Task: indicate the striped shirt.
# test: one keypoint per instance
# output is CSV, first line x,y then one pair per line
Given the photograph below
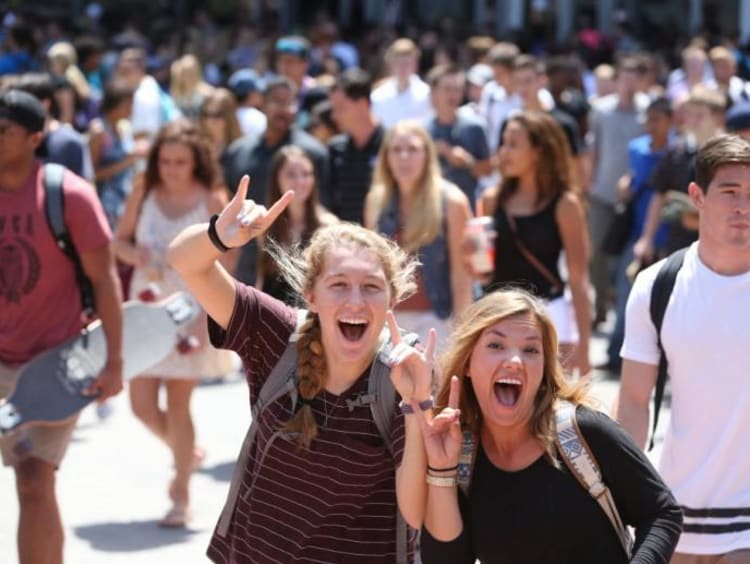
x,y
335,502
351,169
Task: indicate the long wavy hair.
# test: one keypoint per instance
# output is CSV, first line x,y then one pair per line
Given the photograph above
x,y
280,231
554,173
484,313
183,132
425,219
301,269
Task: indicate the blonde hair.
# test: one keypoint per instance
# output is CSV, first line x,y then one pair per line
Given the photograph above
x,y
186,76
489,310
301,269
63,54
702,95
402,46
426,217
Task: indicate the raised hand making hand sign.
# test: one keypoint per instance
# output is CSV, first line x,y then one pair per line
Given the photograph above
x,y
411,369
242,220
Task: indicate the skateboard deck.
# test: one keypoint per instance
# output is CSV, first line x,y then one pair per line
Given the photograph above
x,y
50,387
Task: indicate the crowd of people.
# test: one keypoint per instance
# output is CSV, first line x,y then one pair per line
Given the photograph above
x,y
322,211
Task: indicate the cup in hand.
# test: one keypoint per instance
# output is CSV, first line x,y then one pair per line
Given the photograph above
x,y
481,232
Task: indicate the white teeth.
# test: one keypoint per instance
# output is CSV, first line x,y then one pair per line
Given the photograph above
x,y
353,321
511,381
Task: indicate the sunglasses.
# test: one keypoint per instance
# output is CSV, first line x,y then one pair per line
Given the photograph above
x,y
216,114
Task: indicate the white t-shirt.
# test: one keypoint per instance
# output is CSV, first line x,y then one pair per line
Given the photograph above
x,y
496,105
390,106
146,114
706,459
252,122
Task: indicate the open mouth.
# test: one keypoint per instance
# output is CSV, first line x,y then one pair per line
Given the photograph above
x,y
352,329
507,391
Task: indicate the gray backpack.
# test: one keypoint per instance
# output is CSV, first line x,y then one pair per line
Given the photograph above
x,y
381,397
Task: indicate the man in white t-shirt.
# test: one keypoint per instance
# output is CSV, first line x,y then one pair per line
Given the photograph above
x,y
152,107
403,95
705,336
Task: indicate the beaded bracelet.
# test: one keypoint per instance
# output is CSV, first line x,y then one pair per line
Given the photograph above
x,y
407,409
442,481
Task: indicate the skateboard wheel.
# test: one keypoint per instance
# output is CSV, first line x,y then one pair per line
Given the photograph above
x,y
150,293
187,344
23,447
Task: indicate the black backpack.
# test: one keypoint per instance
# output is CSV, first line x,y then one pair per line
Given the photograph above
x,y
54,206
660,292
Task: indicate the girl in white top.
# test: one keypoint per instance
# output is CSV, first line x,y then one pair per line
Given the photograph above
x,y
178,189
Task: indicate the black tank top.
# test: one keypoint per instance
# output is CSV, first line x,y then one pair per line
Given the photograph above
x,y
541,237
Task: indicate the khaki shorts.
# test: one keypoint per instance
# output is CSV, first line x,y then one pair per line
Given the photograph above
x,y
734,557
48,443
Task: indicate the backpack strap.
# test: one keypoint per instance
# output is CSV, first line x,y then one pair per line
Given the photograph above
x,y
466,460
54,206
580,460
382,399
660,292
281,381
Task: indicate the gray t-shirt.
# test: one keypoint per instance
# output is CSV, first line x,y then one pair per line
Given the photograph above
x,y
468,133
611,128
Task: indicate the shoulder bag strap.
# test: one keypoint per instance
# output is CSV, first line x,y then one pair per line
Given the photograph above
x,y
556,283
581,462
382,398
466,460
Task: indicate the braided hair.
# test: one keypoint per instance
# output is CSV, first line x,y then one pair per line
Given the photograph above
x,y
301,269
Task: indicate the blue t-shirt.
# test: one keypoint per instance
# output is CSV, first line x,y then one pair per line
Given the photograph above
x,y
467,133
642,160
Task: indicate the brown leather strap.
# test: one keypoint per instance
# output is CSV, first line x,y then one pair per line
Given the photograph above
x,y
556,283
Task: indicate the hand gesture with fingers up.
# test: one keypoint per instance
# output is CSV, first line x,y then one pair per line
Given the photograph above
x,y
242,220
411,370
442,433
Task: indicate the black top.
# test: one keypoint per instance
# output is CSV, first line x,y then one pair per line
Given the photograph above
x,y
540,235
351,170
543,515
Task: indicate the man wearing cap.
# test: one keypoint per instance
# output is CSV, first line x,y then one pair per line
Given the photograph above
x,y
738,120
292,60
246,86
38,312
62,144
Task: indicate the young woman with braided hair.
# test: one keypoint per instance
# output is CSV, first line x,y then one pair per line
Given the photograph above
x,y
318,481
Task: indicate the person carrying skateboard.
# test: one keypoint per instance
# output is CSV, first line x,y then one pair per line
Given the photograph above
x,y
37,281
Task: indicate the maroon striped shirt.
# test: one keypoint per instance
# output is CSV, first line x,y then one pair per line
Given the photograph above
x,y
335,502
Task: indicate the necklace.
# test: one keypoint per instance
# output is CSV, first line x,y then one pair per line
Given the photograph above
x,y
327,411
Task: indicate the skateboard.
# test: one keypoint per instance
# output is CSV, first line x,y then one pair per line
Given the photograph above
x,y
50,387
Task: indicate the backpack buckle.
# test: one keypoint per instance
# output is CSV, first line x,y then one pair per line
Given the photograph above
x,y
597,489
